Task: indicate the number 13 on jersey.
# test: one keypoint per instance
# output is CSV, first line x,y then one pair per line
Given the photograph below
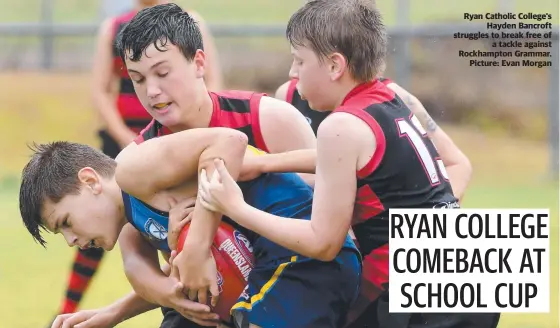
x,y
416,135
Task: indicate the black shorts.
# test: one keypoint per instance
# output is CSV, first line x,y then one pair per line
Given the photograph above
x,y
109,146
377,316
173,319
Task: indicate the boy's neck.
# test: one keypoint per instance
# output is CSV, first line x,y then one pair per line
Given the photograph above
x,y
116,195
344,89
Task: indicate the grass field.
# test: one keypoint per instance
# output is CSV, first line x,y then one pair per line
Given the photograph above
x,y
508,173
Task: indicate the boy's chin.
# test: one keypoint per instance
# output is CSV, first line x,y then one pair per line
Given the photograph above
x,y
108,246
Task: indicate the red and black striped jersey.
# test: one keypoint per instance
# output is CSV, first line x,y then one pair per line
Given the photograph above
x,y
406,171
313,117
129,106
238,110
231,109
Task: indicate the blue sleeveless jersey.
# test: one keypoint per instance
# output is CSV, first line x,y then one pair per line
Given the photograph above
x,y
151,222
282,194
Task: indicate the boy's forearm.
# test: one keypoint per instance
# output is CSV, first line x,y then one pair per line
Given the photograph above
x,y
148,282
456,163
129,306
204,226
300,161
141,265
205,223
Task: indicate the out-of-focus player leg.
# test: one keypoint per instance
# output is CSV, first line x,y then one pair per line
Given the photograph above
x,y
84,267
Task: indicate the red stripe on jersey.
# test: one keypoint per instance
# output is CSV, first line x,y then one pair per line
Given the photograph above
x,y
86,261
120,68
130,107
367,204
140,138
370,93
291,90
375,272
375,276
255,104
381,142
224,118
216,111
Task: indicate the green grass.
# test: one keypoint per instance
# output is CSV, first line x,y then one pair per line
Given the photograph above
x,y
272,11
509,173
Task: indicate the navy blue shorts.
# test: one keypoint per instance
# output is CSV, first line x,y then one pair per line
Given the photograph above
x,y
300,292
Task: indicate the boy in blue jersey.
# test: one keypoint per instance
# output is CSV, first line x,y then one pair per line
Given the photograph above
x,y
75,190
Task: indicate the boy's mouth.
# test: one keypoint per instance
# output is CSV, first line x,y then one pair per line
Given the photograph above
x,y
89,245
161,106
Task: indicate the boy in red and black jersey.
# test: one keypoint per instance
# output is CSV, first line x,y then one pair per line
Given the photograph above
x,y
166,62
372,153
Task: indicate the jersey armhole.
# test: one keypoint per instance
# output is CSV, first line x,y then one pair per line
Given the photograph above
x,y
381,143
127,207
254,108
140,138
290,91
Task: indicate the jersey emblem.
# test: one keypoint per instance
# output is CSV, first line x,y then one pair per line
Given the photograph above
x,y
447,205
243,243
155,230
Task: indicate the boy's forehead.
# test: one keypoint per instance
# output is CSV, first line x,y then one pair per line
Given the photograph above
x,y
151,57
152,52
49,214
302,50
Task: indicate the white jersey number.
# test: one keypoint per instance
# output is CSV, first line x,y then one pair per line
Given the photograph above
x,y
415,136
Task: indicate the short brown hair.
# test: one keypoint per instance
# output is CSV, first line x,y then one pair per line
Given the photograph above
x,y
51,174
353,28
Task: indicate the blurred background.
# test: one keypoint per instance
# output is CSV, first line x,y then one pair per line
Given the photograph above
x,y
504,119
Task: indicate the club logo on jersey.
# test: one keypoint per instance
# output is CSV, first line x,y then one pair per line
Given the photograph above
x,y
244,294
220,281
155,230
243,243
447,205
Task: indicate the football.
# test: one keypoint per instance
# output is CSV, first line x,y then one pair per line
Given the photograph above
x,y
234,260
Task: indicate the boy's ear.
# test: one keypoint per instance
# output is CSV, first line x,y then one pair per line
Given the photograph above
x,y
90,179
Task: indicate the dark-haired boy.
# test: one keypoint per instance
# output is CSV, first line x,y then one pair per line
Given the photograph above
x,y
164,54
80,197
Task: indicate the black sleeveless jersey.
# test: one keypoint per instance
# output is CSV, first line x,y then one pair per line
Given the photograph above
x,y
405,172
